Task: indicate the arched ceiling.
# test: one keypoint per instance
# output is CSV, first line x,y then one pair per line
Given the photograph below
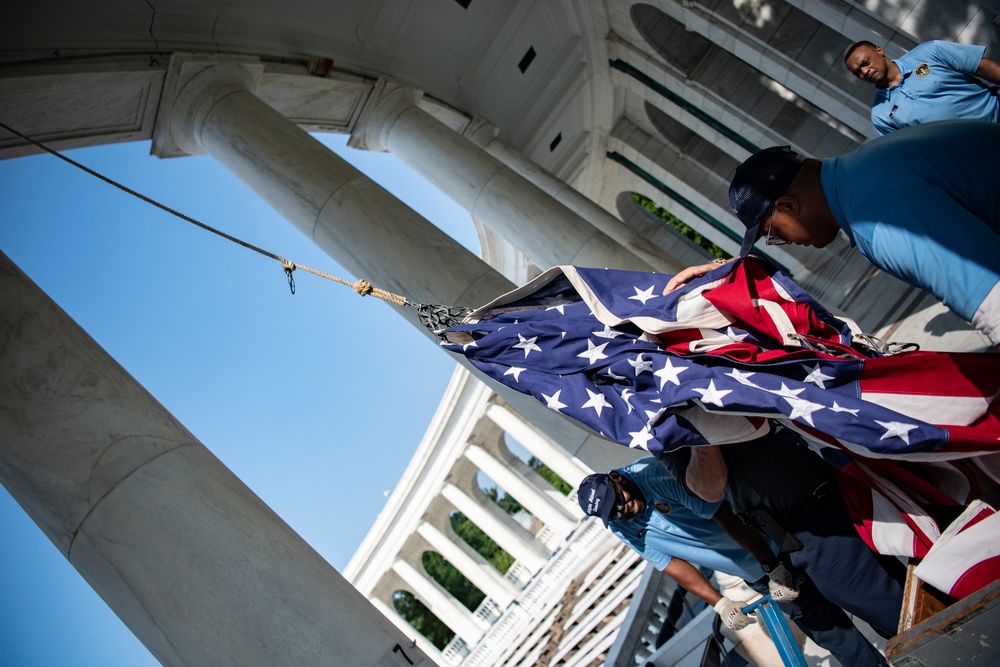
x,y
469,55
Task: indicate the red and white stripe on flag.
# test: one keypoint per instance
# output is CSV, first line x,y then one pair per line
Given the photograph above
x,y
966,557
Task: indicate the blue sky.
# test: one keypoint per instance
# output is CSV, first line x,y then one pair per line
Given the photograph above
x,y
316,401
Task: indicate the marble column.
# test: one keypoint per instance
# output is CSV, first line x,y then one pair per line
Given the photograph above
x,y
484,134
441,603
171,540
770,62
483,575
531,497
511,537
545,230
538,443
209,107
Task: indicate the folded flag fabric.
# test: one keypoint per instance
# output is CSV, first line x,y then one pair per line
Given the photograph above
x,y
606,348
719,359
967,555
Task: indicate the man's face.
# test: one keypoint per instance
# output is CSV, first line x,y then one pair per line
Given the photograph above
x,y
792,229
869,64
630,501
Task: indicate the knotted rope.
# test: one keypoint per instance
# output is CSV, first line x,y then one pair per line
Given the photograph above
x,y
362,287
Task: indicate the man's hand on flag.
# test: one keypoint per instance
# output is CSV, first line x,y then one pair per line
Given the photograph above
x,y
692,272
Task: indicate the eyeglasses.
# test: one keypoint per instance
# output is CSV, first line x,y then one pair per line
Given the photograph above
x,y
619,504
771,238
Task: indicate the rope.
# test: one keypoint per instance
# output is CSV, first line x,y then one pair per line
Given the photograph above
x,y
362,287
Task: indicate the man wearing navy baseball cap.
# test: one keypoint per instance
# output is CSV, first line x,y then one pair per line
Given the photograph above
x,y
920,203
649,510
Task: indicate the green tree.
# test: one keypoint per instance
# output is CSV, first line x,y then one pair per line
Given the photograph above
x,y
549,476
452,580
422,619
507,502
673,221
481,542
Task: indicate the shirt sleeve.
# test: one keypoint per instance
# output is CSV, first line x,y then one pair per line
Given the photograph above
x,y
964,58
668,487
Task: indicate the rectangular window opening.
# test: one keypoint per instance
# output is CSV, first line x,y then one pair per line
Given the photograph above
x,y
555,142
526,60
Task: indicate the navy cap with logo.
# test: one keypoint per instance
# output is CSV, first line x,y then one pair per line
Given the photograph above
x,y
597,496
758,183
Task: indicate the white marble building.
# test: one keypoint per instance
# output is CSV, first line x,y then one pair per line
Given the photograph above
x,y
541,119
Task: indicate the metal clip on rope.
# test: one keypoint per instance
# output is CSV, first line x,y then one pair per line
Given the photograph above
x,y
289,269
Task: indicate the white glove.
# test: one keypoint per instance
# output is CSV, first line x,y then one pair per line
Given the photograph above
x,y
781,584
732,614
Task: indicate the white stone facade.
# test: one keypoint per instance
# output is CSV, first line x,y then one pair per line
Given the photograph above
x,y
541,118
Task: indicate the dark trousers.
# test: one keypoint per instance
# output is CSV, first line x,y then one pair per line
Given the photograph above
x,y
827,625
844,569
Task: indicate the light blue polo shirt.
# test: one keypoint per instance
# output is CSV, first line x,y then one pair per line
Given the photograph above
x,y
676,524
938,83
923,204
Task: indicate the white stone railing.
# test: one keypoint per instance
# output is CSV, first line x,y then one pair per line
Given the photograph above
x,y
488,611
455,651
518,575
542,592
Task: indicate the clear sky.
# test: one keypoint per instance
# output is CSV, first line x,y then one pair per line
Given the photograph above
x,y
316,401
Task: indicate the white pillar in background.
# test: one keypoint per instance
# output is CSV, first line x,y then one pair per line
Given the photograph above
x,y
483,575
441,603
541,227
209,107
526,493
168,537
544,448
484,134
806,84
513,539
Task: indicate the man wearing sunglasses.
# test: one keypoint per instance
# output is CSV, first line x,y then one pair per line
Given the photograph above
x,y
645,507
922,204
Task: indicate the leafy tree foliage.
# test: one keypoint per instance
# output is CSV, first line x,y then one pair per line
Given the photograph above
x,y
481,542
422,619
548,475
673,221
452,580
506,502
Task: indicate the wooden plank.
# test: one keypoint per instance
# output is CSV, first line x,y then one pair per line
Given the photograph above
x,y
967,632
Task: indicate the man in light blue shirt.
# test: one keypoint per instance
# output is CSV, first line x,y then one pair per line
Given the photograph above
x,y
935,81
649,510
922,204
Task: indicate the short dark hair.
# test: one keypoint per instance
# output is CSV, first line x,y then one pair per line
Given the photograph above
x,y
857,45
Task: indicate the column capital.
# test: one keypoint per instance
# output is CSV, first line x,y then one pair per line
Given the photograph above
x,y
481,131
388,100
193,85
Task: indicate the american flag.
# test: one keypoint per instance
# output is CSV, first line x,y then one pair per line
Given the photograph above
x,y
716,360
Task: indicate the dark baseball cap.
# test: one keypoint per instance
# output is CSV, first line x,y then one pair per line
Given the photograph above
x,y
597,496
759,181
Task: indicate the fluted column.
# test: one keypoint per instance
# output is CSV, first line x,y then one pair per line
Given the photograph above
x,y
541,227
544,448
483,575
513,539
779,67
484,134
441,603
526,493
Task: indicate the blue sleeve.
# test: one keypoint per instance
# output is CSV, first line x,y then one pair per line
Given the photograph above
x,y
964,58
668,488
